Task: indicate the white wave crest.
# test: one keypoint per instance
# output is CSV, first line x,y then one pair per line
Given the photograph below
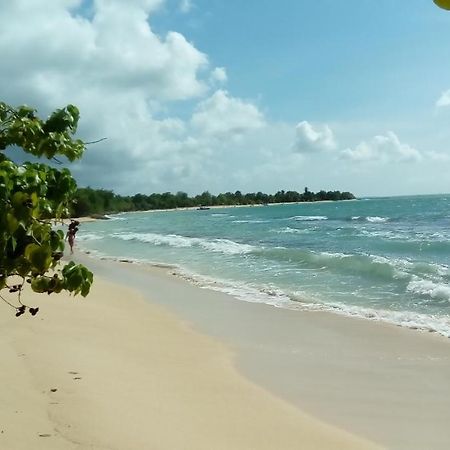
x,y
240,290
376,219
89,237
335,255
224,246
270,295
251,221
290,230
308,218
429,288
407,319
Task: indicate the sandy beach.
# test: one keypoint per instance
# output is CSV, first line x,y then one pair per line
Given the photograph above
x,y
386,383
168,365
115,371
263,239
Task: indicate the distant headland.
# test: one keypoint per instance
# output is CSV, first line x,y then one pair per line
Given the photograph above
x,y
90,201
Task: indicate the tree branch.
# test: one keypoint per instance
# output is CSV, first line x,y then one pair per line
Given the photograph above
x,y
95,142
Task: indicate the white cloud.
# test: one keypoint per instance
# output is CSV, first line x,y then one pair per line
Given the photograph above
x,y
219,75
124,77
185,6
444,99
128,80
64,53
224,116
383,148
438,156
310,139
119,72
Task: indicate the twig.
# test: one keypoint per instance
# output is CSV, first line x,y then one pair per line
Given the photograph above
x,y
6,301
95,142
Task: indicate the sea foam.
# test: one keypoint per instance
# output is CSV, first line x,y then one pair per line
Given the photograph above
x,y
224,246
429,288
376,219
308,218
89,237
302,301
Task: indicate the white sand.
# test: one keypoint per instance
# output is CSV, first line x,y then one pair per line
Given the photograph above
x,y
127,374
386,383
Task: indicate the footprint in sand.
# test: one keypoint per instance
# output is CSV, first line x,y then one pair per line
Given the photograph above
x,y
72,372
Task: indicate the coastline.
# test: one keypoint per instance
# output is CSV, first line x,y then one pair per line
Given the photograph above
x,y
384,382
116,371
288,255
195,208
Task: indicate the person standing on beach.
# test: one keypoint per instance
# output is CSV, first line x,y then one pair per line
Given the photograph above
x,y
70,236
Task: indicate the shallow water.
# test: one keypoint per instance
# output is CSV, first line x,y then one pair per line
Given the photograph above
x,y
382,259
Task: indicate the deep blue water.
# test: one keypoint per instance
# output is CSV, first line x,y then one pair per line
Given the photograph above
x,y
383,259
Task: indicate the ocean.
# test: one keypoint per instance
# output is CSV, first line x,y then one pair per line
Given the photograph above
x,y
383,259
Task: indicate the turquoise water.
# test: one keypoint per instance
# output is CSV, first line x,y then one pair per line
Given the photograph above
x,y
382,259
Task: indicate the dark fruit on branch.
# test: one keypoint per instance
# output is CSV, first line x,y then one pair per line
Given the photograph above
x,y
20,310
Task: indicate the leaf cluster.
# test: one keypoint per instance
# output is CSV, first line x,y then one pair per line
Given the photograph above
x,y
31,195
21,127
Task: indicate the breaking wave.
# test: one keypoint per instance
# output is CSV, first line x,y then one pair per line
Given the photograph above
x,y
371,219
224,246
428,288
89,237
273,296
308,218
251,221
289,230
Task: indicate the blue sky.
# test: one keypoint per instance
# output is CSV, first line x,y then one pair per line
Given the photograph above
x,y
326,59
252,95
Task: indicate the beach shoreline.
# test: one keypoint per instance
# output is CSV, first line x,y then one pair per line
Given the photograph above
x,y
212,207
380,381
354,259
116,371
321,379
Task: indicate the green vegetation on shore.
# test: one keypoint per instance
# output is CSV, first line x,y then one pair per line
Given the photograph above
x,y
90,201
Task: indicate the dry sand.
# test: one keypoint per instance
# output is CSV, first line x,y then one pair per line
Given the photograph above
x,y
115,372
386,383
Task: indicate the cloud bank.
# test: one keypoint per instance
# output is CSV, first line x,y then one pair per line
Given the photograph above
x,y
382,148
125,78
170,120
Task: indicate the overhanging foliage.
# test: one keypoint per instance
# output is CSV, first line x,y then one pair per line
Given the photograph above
x,y
32,196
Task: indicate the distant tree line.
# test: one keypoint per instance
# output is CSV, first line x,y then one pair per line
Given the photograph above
x,y
90,201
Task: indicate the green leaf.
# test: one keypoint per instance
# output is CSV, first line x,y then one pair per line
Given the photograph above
x,y
23,267
40,284
39,257
13,223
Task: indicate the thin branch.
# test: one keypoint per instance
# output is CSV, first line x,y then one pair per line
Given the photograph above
x,y
20,291
95,142
6,301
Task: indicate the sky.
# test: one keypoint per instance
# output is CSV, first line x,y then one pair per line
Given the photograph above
x,y
250,95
